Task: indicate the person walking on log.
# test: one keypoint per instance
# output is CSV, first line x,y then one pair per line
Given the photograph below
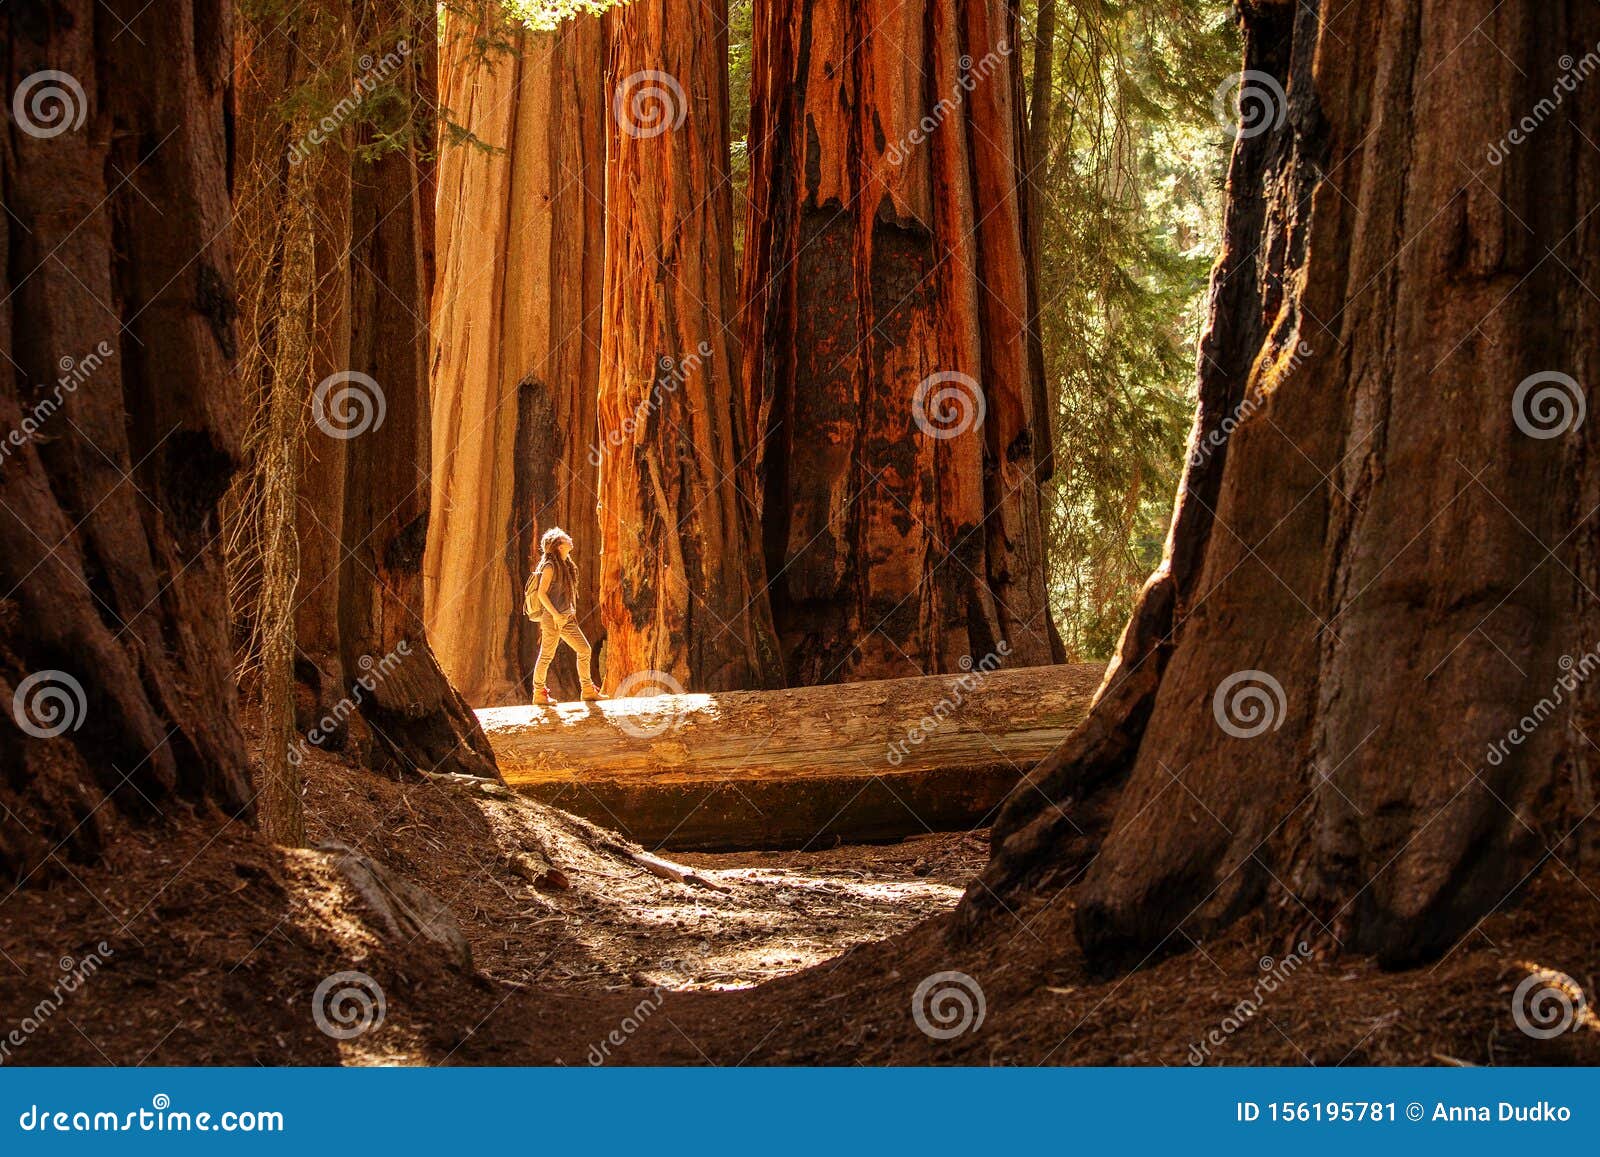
x,y
552,598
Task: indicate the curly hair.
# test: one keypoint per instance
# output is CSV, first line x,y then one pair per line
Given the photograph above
x,y
551,538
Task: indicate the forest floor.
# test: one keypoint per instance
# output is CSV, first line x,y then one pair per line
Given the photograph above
x,y
210,946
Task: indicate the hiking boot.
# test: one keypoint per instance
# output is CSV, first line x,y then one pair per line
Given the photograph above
x,y
541,697
590,694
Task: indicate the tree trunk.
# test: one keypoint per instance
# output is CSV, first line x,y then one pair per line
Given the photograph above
x,y
889,354
354,78
521,245
874,760
682,587
1378,581
418,720
288,183
1041,101
120,419
319,671
278,232
1036,162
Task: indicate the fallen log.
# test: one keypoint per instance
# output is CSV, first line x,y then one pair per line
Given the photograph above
x,y
804,767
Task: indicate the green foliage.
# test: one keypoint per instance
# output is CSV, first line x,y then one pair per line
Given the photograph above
x,y
740,36
350,83
544,15
1129,191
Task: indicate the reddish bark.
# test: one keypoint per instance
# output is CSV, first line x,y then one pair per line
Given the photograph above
x,y
887,263
1379,537
418,719
364,482
681,584
113,612
521,244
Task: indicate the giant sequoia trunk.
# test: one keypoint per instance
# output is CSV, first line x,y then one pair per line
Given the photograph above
x,y
418,718
682,587
890,357
119,413
517,331
360,370
1335,696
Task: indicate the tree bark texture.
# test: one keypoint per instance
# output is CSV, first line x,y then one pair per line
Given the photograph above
x,y
291,306
873,760
361,515
890,357
116,683
418,719
1381,566
682,587
516,363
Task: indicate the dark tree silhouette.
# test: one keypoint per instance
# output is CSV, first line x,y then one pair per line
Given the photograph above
x,y
1381,566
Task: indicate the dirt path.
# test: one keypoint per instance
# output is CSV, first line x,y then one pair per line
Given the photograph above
x,y
211,948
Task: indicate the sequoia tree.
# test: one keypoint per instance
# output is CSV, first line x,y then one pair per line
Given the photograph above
x,y
517,340
890,357
336,224
120,418
1358,690
682,587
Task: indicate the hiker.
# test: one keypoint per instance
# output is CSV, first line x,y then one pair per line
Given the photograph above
x,y
552,598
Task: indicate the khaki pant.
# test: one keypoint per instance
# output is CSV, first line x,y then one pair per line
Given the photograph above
x,y
552,633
